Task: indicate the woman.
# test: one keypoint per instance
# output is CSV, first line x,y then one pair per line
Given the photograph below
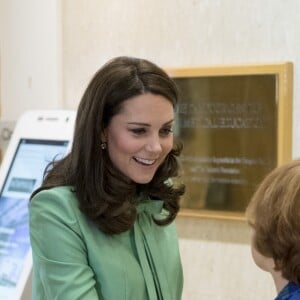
x,y
101,225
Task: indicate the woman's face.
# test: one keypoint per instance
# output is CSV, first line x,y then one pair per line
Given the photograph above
x,y
140,136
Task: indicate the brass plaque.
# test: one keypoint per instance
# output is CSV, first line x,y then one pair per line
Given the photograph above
x,y
229,125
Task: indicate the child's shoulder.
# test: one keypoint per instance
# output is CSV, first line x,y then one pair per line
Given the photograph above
x,y
290,292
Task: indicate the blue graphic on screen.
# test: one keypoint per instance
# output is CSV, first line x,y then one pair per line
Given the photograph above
x,y
24,176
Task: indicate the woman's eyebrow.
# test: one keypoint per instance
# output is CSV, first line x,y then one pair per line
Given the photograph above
x,y
138,123
169,122
146,124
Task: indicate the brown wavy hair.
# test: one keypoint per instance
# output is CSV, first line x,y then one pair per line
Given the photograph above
x,y
274,214
105,196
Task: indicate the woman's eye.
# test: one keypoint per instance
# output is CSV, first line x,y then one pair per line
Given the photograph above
x,y
138,130
166,131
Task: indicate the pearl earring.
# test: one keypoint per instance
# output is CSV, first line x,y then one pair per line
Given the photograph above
x,y
103,145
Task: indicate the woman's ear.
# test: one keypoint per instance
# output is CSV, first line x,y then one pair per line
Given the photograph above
x,y
104,135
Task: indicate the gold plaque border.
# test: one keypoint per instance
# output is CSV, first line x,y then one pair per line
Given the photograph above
x,y
284,90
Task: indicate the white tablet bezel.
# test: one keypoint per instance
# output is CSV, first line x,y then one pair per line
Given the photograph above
x,y
50,125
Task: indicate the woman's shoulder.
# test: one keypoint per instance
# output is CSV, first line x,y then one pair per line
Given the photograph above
x,y
60,193
59,200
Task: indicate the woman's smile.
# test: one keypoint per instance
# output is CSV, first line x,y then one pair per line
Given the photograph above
x,y
144,161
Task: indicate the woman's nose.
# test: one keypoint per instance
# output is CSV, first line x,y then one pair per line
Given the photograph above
x,y
154,144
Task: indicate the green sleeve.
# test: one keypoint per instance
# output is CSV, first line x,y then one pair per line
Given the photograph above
x,y
61,269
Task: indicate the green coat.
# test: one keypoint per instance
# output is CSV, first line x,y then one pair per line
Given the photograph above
x,y
72,259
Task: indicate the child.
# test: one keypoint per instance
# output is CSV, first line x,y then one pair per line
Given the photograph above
x,y
274,215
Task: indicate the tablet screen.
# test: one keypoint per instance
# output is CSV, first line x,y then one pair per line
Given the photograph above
x,y
25,174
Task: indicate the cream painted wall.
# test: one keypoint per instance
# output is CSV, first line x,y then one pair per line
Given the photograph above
x,y
217,262
30,56
215,254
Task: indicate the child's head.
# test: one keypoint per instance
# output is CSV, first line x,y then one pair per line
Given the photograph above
x,y
274,214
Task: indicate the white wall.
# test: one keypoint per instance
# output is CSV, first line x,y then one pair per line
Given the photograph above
x,y
30,36
216,255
